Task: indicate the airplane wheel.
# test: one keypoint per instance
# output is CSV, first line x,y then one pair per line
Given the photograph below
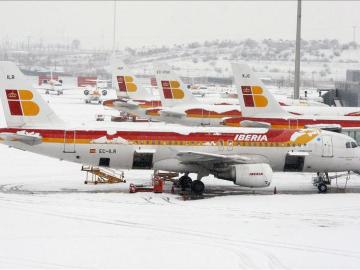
x,y
185,182
197,187
322,188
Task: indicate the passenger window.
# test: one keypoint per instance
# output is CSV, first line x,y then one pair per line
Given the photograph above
x,y
348,145
353,145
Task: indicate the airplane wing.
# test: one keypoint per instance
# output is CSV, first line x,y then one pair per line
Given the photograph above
x,y
130,104
169,113
255,124
207,159
55,90
329,127
27,138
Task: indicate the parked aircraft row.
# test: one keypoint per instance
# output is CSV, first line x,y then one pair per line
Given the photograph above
x,y
246,156
94,90
256,106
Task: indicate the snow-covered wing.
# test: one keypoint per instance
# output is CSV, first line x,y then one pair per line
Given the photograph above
x,y
202,157
170,113
29,139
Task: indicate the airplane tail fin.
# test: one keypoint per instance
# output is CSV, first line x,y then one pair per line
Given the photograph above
x,y
173,92
126,84
254,98
22,104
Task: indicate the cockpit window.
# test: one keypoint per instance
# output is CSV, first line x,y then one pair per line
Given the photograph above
x,y
351,145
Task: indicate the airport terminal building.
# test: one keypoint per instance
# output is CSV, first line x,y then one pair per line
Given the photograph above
x,y
348,92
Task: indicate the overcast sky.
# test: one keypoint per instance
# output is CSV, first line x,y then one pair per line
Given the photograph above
x,y
169,22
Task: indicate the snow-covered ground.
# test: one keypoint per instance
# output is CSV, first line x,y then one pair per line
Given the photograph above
x,y
50,219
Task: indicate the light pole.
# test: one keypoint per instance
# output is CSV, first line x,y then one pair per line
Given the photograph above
x,y
297,52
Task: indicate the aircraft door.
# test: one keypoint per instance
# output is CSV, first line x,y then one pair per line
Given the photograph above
x,y
293,123
230,145
143,160
205,120
69,141
221,145
327,146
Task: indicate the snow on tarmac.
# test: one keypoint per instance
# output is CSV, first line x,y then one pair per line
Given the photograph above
x,y
50,219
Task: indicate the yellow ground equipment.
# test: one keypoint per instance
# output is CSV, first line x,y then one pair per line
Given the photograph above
x,y
98,175
166,176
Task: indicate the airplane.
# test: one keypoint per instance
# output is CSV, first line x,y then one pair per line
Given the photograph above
x,y
187,109
52,86
94,93
245,156
179,105
132,97
135,100
258,106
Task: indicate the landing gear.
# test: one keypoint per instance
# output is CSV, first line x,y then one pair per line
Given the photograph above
x,y
197,187
322,188
185,182
321,181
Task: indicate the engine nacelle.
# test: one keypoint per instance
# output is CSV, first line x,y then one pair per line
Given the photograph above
x,y
248,175
86,92
104,92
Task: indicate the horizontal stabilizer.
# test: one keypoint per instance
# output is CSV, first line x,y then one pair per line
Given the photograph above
x,y
255,124
329,127
22,136
169,113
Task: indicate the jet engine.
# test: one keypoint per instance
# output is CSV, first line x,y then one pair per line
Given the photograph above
x,y
248,175
104,92
86,92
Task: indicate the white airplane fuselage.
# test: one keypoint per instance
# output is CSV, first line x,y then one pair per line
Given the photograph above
x,y
324,152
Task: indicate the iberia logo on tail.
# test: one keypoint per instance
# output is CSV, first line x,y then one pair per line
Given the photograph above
x,y
172,90
126,84
253,96
20,102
